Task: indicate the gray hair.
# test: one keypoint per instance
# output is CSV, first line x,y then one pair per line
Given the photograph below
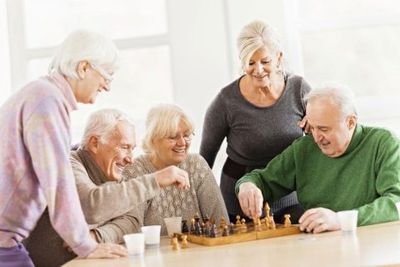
x,y
254,36
102,123
163,121
80,46
339,94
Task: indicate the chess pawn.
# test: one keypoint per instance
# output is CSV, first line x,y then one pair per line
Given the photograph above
x,y
222,223
184,241
272,222
231,229
213,231
225,232
287,222
238,220
185,228
244,226
175,244
197,228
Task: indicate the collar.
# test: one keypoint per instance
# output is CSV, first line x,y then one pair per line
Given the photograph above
x,y
95,173
355,140
61,83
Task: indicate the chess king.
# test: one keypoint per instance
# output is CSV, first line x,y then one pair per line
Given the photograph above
x,y
342,165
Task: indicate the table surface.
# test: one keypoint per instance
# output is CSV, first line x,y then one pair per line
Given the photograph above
x,y
371,245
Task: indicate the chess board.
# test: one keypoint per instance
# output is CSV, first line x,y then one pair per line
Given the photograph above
x,y
251,234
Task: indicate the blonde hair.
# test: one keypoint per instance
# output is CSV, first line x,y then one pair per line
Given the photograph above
x,y
84,46
163,121
254,36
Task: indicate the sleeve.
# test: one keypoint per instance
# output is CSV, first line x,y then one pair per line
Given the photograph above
x,y
113,231
277,179
215,129
387,183
131,192
208,193
46,135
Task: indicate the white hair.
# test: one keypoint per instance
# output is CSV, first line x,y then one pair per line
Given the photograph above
x,y
84,46
254,36
102,123
162,121
339,94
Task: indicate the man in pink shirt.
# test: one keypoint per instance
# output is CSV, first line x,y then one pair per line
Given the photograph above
x,y
35,170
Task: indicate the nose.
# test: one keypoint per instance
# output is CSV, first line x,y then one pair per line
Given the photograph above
x,y
259,68
181,140
317,135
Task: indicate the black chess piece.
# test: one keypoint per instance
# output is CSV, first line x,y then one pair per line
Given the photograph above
x,y
213,231
185,228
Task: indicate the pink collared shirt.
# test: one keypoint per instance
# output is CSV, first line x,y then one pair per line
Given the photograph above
x,y
35,170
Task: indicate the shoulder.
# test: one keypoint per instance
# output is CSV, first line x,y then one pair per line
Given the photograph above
x,y
298,83
140,166
228,92
381,135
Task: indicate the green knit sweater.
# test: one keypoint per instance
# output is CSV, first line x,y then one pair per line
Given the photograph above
x,y
366,177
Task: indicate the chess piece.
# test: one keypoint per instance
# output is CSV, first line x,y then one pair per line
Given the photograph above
x,y
287,222
206,219
213,231
225,232
192,227
231,229
222,223
197,228
184,242
243,228
266,210
272,222
238,220
197,217
185,228
175,244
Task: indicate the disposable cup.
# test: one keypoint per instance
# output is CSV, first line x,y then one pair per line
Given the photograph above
x,y
348,220
151,234
135,244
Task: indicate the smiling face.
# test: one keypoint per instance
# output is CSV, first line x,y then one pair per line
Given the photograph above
x,y
113,155
91,82
331,130
173,149
262,66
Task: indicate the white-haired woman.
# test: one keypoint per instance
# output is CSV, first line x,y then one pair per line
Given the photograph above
x,y
168,136
257,113
34,157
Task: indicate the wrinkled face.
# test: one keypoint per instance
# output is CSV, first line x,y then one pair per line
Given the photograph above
x,y
172,150
332,131
262,65
116,153
94,79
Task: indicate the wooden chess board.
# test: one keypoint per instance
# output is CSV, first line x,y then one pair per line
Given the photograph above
x,y
251,234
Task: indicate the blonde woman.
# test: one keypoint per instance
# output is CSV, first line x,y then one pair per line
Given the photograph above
x,y
168,137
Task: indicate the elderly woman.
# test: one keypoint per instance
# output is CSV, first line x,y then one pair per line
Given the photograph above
x,y
166,143
35,170
257,114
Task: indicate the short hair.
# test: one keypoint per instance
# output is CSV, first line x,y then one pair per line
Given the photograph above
x,y
83,45
162,121
254,36
339,94
102,123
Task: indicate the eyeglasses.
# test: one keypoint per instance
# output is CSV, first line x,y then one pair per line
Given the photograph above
x,y
187,137
107,77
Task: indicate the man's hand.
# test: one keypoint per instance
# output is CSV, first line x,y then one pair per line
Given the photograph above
x,y
108,251
319,220
172,175
251,199
304,125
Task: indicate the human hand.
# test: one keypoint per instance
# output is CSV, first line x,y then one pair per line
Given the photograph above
x,y
304,125
108,251
172,175
319,220
251,199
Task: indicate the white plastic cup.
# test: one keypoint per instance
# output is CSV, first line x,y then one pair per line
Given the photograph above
x,y
135,244
348,220
398,208
174,225
151,234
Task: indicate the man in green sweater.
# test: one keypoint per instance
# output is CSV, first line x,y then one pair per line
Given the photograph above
x,y
342,166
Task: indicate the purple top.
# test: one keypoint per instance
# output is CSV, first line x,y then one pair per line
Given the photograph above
x,y
35,170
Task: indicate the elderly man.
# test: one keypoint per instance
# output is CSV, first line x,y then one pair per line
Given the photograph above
x,y
108,201
343,166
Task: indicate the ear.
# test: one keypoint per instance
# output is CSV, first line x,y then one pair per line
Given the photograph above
x,y
82,68
351,121
93,144
279,58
